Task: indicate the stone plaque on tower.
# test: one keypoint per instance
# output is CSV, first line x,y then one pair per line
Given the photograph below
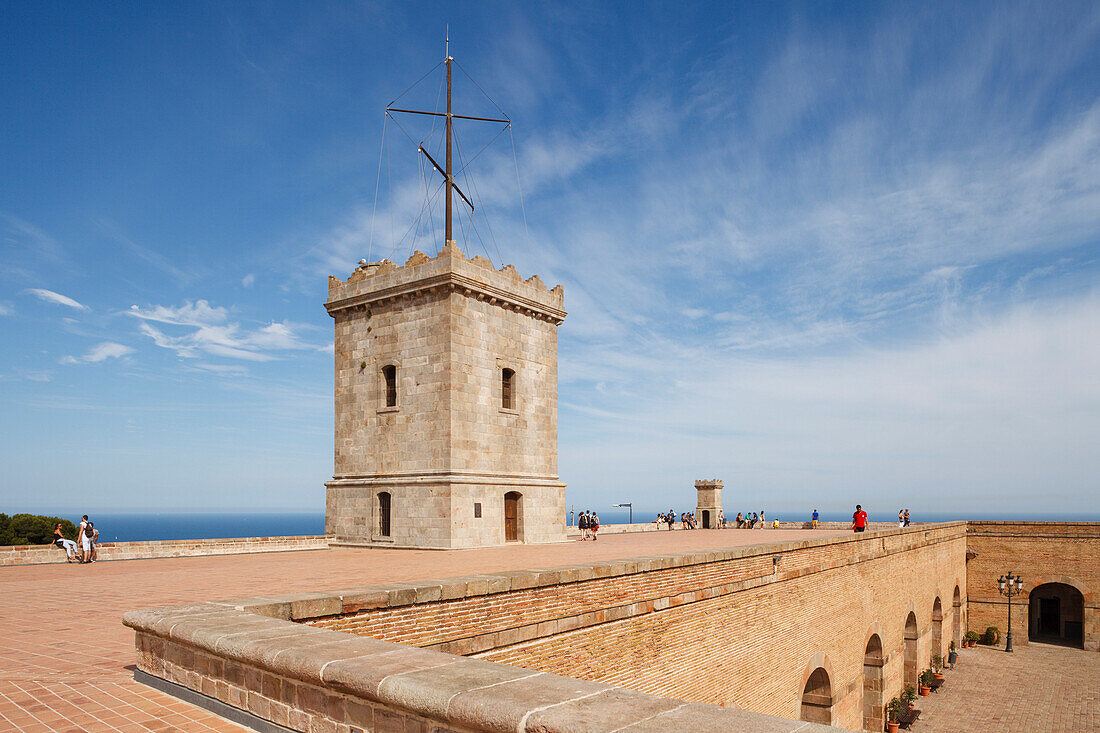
x,y
446,405
708,503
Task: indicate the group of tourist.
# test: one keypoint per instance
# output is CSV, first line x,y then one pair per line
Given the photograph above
x,y
87,535
903,517
589,525
687,520
744,520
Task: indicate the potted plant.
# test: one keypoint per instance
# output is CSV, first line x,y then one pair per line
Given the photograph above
x,y
991,636
971,638
937,666
909,696
952,655
894,710
925,683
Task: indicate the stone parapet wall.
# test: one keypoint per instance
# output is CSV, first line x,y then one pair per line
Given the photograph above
x,y
310,679
48,554
1040,552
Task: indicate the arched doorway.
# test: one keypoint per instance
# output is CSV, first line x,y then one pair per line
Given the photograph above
x,y
937,627
512,516
1056,614
911,635
873,660
817,698
956,617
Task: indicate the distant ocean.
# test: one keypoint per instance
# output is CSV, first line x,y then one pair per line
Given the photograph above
x,y
137,527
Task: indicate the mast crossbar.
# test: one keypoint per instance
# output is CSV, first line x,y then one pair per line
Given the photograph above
x,y
444,114
440,169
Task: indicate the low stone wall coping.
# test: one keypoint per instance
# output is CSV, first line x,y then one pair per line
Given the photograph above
x,y
51,554
475,694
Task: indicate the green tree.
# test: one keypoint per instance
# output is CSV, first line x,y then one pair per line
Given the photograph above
x,y
32,529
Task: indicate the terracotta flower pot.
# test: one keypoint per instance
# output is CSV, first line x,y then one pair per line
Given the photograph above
x,y
892,727
937,675
924,691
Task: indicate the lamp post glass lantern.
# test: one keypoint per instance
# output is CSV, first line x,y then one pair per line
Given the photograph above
x,y
1010,585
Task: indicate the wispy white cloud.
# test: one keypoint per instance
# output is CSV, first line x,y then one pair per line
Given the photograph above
x,y
248,280
199,313
100,353
6,309
213,334
51,297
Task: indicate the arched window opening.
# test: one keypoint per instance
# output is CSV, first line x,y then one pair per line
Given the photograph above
x,y
507,389
817,698
874,712
389,376
384,513
937,628
1056,614
956,621
911,635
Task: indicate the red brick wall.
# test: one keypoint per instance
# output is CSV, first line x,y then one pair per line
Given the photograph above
x,y
1047,552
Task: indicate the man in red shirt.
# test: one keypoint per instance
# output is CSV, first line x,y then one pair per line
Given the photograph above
x,y
859,519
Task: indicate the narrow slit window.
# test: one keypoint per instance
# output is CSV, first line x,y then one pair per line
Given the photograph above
x,y
507,389
389,376
384,514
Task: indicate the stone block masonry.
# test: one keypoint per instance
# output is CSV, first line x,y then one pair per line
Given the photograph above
x,y
446,405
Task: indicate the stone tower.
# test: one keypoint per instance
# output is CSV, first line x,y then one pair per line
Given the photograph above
x,y
446,405
708,503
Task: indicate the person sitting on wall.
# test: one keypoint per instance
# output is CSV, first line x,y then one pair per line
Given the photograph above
x,y
67,545
739,519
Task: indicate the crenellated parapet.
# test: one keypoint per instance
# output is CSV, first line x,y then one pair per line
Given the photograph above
x,y
451,271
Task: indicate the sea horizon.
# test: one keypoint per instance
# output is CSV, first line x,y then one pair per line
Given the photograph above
x,y
212,524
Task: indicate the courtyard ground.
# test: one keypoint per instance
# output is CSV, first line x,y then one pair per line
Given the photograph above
x,y
66,661
1039,688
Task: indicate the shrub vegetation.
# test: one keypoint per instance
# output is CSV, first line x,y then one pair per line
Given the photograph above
x,y
32,529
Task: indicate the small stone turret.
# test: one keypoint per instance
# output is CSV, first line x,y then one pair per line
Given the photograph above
x,y
708,503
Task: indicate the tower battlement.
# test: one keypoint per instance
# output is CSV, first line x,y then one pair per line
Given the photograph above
x,y
451,270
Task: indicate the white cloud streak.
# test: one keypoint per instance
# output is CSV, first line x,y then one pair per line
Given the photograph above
x,y
100,353
213,334
57,298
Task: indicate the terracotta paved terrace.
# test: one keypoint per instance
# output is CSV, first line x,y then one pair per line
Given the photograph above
x,y
1039,688
66,660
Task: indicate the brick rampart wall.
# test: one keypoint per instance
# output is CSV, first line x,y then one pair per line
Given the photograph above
x,y
1046,552
734,628
45,554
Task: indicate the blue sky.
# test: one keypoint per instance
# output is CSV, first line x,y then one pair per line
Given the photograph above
x,y
827,252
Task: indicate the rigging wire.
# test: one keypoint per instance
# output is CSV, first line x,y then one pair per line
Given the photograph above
x,y
402,94
377,183
472,183
519,185
467,75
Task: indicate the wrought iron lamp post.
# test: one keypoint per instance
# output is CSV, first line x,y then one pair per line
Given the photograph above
x,y
630,506
1010,585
